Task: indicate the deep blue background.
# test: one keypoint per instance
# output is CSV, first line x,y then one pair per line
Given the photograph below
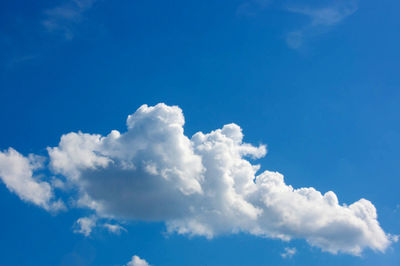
x,y
328,111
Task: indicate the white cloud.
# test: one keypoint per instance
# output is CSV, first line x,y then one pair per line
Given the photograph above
x,y
85,225
62,17
136,261
289,252
114,228
16,171
205,185
152,163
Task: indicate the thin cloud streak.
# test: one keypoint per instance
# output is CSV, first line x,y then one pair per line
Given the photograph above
x,y
321,19
62,18
328,16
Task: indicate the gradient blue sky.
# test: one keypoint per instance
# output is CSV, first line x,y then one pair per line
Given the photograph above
x,y
316,81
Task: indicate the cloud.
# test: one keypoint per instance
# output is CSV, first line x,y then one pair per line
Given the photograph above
x,y
320,19
327,16
85,225
289,252
114,228
205,185
136,261
152,163
16,172
62,18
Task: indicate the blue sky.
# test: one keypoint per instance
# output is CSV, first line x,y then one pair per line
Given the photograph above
x,y
315,81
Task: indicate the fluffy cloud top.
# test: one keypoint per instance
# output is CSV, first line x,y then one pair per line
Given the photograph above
x,y
205,185
137,261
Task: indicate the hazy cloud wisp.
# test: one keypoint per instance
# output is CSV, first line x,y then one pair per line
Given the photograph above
x,y
321,18
288,253
61,18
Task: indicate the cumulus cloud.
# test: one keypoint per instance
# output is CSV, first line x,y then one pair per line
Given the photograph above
x,y
206,185
147,173
85,225
137,261
16,171
289,252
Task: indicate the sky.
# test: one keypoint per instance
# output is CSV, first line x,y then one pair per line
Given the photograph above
x,y
248,132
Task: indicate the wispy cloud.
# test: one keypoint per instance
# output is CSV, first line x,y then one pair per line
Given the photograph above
x,y
289,252
114,228
63,17
321,17
327,15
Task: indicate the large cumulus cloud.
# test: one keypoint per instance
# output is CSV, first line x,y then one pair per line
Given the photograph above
x,y
205,185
